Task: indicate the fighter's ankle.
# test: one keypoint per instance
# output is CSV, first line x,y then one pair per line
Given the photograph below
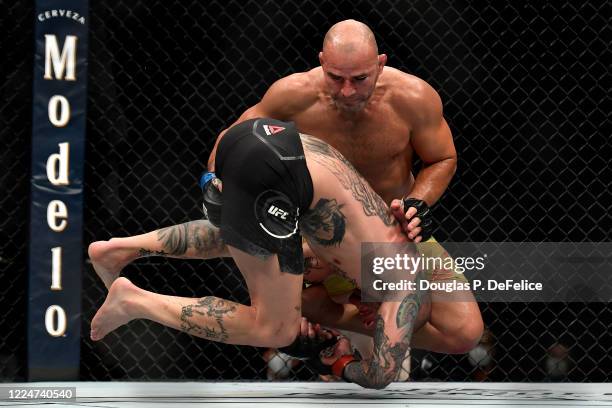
x,y
131,307
126,294
116,242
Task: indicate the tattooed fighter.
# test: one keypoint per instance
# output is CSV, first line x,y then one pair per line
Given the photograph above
x,y
278,185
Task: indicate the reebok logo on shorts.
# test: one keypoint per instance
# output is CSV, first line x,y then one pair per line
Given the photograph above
x,y
271,129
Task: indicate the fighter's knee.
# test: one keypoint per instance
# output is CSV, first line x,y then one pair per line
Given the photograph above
x,y
285,337
378,383
280,333
468,335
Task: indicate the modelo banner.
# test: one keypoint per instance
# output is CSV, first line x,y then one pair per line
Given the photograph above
x,y
56,214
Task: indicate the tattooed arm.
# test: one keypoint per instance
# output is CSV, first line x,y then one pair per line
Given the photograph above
x,y
395,324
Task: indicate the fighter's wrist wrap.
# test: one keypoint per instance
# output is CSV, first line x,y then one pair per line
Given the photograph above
x,y
309,350
213,200
423,212
306,348
341,363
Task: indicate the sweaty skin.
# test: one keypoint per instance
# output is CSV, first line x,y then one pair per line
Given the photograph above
x,y
402,117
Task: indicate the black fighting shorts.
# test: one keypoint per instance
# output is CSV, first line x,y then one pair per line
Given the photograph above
x,y
266,188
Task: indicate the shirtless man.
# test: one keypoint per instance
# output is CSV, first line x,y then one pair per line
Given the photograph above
x,y
277,186
377,117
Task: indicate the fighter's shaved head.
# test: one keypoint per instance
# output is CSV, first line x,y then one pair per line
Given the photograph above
x,y
350,64
350,37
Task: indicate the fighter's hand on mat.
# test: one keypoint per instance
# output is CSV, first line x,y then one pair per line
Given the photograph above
x,y
334,359
315,343
414,217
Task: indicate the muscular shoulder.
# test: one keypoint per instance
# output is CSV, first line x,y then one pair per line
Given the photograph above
x,y
413,97
292,94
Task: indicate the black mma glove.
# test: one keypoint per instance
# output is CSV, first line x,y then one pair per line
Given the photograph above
x,y
309,350
213,200
423,212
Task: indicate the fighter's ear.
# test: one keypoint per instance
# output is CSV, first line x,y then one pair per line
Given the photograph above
x,y
321,58
382,60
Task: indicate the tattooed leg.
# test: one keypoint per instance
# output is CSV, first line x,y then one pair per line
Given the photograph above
x,y
208,317
193,240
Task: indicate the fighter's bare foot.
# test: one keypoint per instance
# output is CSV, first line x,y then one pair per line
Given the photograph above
x,y
117,309
109,258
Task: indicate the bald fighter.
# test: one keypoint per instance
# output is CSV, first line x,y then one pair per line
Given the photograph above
x,y
378,118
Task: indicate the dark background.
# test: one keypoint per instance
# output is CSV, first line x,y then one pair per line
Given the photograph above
x,y
524,88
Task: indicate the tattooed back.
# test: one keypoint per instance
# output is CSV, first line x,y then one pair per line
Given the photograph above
x,y
344,212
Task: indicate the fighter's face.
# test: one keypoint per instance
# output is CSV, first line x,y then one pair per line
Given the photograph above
x,y
350,84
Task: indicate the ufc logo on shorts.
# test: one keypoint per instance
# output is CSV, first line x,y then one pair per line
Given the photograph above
x,y
277,212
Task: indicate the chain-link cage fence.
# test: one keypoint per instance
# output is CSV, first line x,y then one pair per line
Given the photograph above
x,y
16,45
524,88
